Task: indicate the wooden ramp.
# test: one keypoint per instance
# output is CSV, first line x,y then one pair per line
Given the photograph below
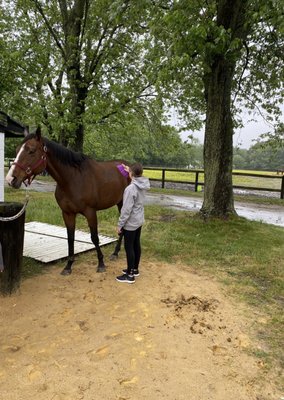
x,y
47,243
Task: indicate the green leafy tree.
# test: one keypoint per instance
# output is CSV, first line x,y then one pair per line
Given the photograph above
x,y
218,57
240,160
274,139
266,157
94,64
83,59
10,145
10,68
195,153
137,136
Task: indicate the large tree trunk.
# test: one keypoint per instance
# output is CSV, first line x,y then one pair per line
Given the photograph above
x,y
218,144
77,111
73,27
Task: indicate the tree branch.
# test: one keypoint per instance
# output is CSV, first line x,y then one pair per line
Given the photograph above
x,y
243,71
84,23
49,27
124,104
160,5
98,53
268,123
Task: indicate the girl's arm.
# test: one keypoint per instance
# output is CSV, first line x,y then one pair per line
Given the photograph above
x,y
128,202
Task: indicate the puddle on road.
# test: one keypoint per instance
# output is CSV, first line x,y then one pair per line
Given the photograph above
x,y
261,213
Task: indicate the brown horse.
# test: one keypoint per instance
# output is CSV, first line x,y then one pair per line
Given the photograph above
x,y
84,186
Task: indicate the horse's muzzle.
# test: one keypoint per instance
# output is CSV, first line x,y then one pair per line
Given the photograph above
x,y
13,181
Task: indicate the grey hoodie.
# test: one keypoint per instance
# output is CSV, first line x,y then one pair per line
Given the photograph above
x,y
132,212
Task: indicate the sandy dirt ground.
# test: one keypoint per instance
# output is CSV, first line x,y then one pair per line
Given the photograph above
x,y
172,335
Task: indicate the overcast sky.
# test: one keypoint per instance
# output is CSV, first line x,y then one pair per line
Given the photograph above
x,y
244,137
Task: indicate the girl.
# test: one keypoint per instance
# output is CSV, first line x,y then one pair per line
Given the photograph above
x,y
131,220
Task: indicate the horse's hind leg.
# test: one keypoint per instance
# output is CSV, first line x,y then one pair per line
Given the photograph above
x,y
91,216
69,220
114,255
117,248
95,240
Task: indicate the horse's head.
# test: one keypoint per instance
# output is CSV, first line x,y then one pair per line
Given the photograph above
x,y
29,162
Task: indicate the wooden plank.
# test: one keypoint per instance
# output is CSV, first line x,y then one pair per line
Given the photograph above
x,y
60,232
47,243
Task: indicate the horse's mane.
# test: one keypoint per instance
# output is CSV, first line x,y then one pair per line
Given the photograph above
x,y
64,155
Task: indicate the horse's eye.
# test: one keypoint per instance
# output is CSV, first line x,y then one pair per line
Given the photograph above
x,y
30,150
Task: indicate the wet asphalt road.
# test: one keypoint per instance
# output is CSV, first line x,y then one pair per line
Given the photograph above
x,y
255,212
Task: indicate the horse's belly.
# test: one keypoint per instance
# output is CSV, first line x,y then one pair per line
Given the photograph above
x,y
80,198
102,204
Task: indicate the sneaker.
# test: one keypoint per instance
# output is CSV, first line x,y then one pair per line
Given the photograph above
x,y
135,272
126,278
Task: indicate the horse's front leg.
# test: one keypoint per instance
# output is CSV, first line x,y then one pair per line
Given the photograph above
x,y
69,220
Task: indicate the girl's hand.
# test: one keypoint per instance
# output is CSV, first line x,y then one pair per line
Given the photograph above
x,y
126,167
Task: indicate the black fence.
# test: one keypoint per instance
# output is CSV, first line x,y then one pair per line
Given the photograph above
x,y
200,182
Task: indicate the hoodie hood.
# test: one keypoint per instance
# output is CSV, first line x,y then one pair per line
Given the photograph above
x,y
141,182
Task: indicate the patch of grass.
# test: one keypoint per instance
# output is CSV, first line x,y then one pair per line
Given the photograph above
x,y
238,180
259,182
41,206
174,175
177,192
31,268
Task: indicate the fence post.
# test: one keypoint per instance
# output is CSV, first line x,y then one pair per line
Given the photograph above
x,y
163,178
196,181
282,188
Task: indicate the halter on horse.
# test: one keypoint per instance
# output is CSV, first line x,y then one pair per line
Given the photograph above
x,y
84,186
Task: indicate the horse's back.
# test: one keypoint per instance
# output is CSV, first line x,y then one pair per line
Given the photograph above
x,y
98,185
108,184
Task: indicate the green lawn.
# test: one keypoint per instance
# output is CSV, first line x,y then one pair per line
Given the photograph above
x,y
238,180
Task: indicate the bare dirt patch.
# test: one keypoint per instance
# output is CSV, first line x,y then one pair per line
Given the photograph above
x,y
172,335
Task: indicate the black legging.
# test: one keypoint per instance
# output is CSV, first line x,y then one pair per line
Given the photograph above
x,y
132,248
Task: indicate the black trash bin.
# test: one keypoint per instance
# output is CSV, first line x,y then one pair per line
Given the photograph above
x,y
12,228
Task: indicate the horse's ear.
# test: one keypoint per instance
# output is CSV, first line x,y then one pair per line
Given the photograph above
x,y
26,131
38,133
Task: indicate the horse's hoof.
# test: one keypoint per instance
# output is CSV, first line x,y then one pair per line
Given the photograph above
x,y
113,257
101,269
66,272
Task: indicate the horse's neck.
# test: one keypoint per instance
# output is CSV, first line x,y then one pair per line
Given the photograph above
x,y
57,170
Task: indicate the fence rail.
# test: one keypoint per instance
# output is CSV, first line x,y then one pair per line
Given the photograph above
x,y
198,182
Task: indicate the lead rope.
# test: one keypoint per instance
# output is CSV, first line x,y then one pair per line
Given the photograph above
x,y
6,219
